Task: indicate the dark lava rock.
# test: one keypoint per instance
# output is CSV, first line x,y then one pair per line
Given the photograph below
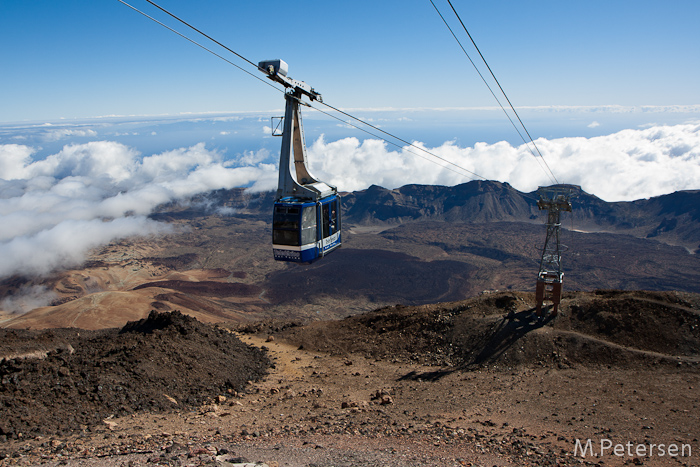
x,y
145,366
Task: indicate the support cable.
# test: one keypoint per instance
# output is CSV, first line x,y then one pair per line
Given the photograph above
x,y
397,138
457,166
485,82
200,45
548,170
397,145
200,32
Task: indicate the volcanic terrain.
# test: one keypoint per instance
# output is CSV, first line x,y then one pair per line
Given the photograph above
x,y
414,245
414,344
482,381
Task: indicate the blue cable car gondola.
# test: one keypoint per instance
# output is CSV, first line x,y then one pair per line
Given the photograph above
x,y
306,216
305,231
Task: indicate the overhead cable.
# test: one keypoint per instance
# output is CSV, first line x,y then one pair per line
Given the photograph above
x,y
397,145
202,33
200,45
457,166
548,170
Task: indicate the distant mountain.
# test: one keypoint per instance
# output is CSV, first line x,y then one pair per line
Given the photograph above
x,y
672,218
236,201
477,201
677,215
413,245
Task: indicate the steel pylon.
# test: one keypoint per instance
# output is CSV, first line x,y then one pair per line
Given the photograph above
x,y
554,199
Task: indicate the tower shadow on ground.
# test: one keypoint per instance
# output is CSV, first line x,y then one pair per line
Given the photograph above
x,y
504,334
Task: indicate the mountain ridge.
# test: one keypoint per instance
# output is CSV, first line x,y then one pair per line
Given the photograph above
x,y
672,218
413,245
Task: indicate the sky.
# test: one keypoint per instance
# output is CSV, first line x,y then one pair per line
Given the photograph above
x,y
83,58
104,114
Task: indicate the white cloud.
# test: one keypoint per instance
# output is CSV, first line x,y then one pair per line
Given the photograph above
x,y
66,243
232,118
627,165
226,211
56,209
593,124
13,157
27,298
55,135
251,157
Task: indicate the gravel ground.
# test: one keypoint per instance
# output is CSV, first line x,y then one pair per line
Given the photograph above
x,y
331,397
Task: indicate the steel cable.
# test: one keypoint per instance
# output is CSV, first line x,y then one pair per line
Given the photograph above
x,y
548,171
462,170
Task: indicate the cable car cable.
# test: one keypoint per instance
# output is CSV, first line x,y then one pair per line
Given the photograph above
x,y
502,91
200,45
300,101
400,139
202,33
481,76
551,177
548,170
397,145
492,74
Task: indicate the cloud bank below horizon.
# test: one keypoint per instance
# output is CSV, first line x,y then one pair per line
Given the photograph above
x,y
56,209
623,166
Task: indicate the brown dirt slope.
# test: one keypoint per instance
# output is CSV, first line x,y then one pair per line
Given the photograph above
x,y
614,364
501,330
157,364
205,288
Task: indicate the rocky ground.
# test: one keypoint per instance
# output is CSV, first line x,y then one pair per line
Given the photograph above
x,y
477,382
57,382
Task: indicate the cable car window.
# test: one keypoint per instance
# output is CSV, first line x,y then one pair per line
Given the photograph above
x,y
285,226
281,220
285,237
334,216
325,219
308,225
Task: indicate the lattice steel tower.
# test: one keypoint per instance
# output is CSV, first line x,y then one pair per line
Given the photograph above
x,y
554,199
